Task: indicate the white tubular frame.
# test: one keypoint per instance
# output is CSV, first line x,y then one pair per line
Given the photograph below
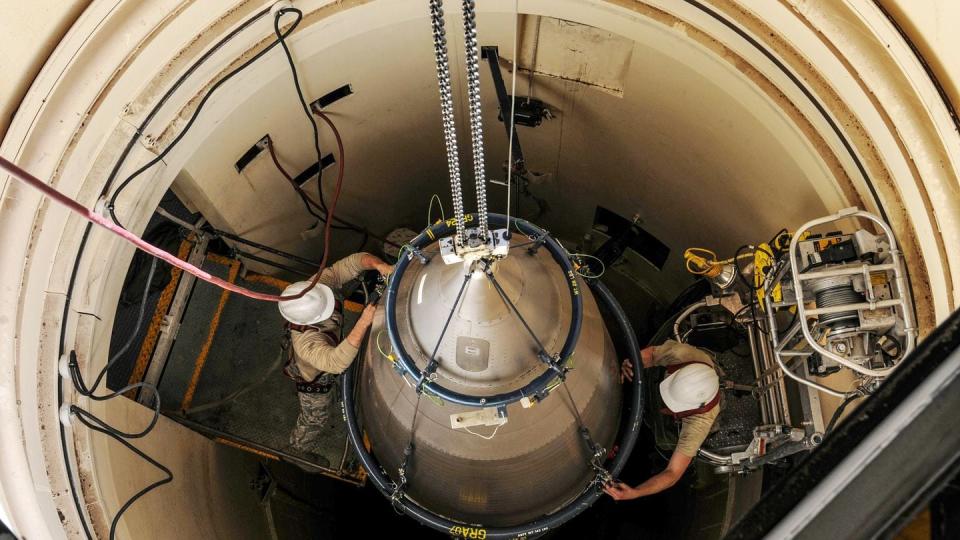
x,y
896,266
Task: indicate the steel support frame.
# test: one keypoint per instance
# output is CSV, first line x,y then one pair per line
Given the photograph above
x,y
171,321
883,463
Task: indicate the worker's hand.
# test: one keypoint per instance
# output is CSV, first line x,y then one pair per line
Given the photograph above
x,y
646,356
366,317
626,371
359,330
384,269
619,491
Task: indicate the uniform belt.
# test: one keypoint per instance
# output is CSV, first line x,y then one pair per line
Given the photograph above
x,y
321,384
315,387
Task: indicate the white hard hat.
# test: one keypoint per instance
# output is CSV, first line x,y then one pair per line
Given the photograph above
x,y
690,387
315,306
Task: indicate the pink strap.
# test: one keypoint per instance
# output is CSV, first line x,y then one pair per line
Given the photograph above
x,y
78,208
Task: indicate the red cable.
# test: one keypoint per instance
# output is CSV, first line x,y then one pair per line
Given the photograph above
x,y
169,258
333,203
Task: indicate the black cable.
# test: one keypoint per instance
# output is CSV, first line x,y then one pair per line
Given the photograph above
x,y
193,117
753,313
740,273
344,224
61,348
750,286
240,254
131,143
740,312
839,411
510,304
773,241
81,387
739,269
281,36
293,183
525,244
156,406
309,208
308,203
737,328
303,102
793,319
99,425
453,310
169,93
237,238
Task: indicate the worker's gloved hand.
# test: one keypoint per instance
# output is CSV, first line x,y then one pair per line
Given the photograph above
x,y
626,371
619,491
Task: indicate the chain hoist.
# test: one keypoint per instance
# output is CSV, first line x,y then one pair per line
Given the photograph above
x,y
472,52
472,49
446,112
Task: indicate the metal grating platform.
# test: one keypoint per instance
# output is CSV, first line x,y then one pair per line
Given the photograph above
x,y
223,377
739,411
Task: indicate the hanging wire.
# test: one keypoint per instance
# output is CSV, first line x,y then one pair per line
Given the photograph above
x,y
95,423
401,483
81,386
380,348
513,100
443,216
117,229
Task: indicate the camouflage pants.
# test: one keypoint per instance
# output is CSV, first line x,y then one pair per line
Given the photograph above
x,y
314,411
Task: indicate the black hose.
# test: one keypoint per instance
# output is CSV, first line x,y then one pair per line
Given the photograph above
x,y
88,419
169,93
93,422
193,117
836,414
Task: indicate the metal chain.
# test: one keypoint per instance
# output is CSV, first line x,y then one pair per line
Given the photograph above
x,y
398,487
446,111
596,453
402,480
472,50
